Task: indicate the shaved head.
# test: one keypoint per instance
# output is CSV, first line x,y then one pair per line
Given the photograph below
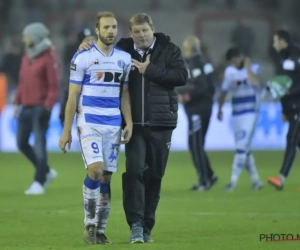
x,y
190,46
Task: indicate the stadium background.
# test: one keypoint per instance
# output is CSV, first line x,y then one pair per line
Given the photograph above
x,y
211,220
216,22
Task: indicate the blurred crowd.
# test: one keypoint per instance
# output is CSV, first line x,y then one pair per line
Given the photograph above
x,y
242,35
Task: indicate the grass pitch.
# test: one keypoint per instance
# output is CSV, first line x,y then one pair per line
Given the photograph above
x,y
188,220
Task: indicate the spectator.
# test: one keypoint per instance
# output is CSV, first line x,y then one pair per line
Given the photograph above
x,y
37,93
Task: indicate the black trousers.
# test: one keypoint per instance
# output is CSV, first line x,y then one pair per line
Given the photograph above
x,y
146,159
34,119
198,126
293,141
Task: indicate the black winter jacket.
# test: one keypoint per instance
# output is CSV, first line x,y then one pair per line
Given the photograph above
x,y
200,85
291,55
153,98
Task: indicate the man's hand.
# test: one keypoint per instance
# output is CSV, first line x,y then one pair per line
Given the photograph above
x,y
66,138
180,99
183,98
142,66
16,111
220,115
127,133
85,46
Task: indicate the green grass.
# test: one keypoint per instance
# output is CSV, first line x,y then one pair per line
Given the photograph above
x,y
185,220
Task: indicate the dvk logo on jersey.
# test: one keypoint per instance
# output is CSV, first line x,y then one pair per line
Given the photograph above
x,y
109,76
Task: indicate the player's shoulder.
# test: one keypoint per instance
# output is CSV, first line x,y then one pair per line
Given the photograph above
x,y
80,55
230,70
122,53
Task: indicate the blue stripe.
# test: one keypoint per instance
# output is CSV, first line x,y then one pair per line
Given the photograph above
x,y
95,46
245,99
112,52
100,102
76,82
243,111
114,120
77,54
125,82
102,85
86,79
239,151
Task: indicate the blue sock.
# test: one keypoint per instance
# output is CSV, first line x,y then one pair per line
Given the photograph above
x,y
90,183
105,188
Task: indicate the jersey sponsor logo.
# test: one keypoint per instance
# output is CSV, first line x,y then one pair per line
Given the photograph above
x,y
121,64
109,76
73,66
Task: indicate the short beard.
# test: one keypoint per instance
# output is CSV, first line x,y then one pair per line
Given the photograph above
x,y
104,40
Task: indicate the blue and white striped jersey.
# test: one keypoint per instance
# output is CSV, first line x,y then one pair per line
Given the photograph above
x,y
244,94
101,77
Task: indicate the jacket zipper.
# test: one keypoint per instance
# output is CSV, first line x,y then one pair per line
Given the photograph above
x,y
170,103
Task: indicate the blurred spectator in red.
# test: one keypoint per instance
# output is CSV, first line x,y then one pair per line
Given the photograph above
x,y
37,93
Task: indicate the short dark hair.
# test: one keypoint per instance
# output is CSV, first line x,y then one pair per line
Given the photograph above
x,y
232,53
284,35
139,19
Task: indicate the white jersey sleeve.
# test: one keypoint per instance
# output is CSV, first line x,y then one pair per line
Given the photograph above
x,y
228,79
78,67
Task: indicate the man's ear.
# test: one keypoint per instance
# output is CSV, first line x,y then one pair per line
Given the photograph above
x,y
97,31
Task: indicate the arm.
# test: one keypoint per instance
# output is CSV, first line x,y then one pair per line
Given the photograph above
x,y
74,92
52,80
126,105
225,88
77,72
125,98
221,100
174,75
252,71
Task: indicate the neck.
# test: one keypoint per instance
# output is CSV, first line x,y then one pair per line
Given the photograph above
x,y
106,49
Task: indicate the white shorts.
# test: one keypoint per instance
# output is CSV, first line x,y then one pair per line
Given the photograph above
x,y
100,144
244,127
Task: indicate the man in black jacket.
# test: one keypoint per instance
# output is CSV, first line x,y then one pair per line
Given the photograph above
x,y
158,67
290,66
197,97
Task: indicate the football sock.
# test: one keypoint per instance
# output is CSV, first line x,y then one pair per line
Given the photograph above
x,y
91,193
239,162
103,207
282,178
251,168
